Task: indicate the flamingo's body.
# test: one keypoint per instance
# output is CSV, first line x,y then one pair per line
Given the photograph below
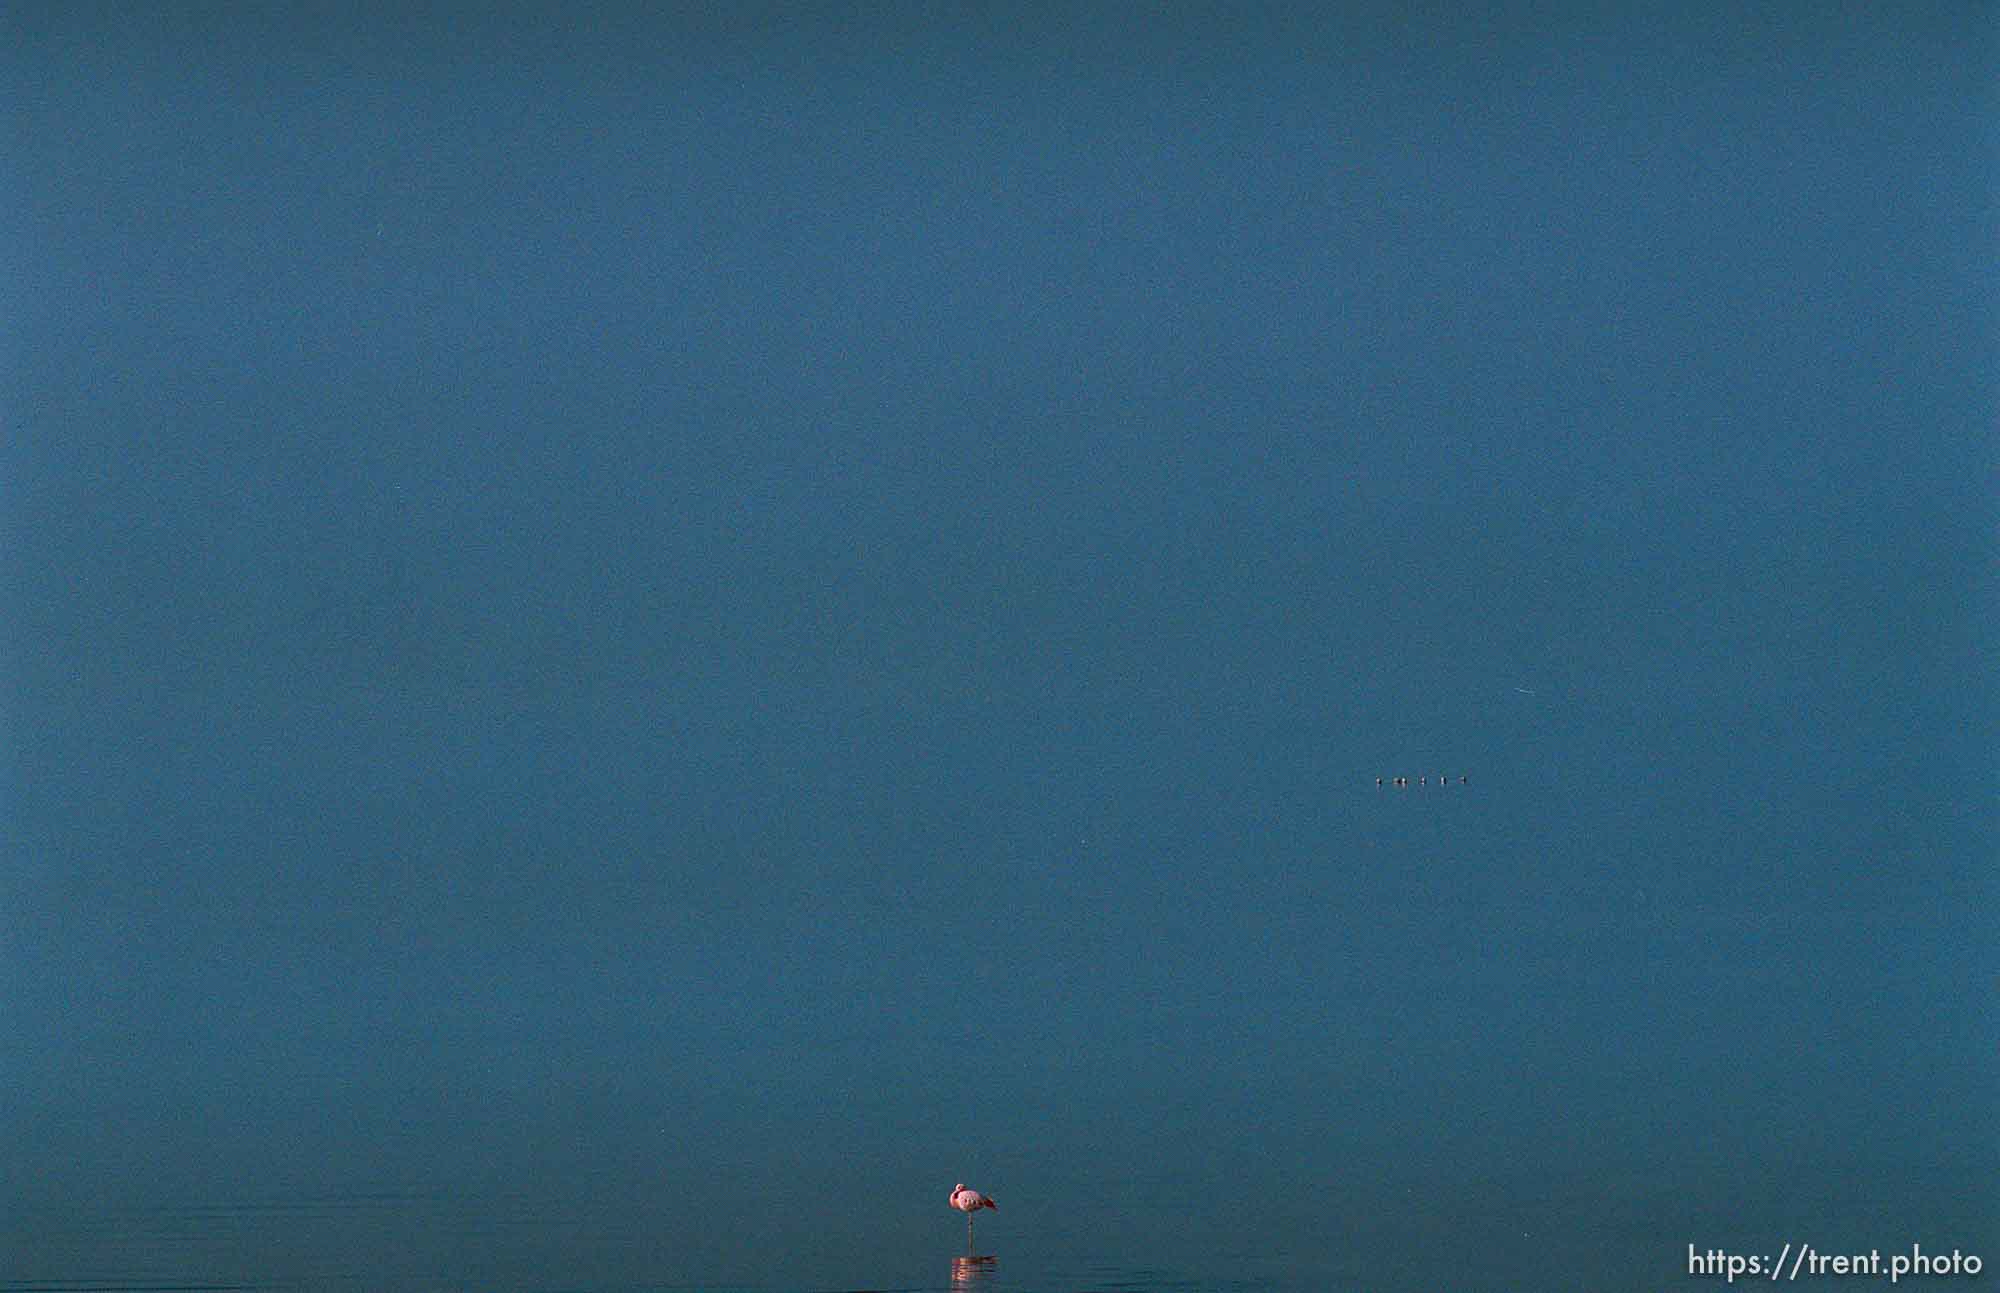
x,y
969,1202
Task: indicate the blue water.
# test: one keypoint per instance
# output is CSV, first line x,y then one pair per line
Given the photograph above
x,y
395,1244
1378,1236
392,1242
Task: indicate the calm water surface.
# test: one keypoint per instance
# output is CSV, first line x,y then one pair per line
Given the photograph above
x,y
801,1242
410,1242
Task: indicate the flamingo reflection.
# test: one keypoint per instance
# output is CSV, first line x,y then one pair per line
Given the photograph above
x,y
970,1272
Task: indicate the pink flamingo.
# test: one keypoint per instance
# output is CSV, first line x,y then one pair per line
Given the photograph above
x,y
969,1202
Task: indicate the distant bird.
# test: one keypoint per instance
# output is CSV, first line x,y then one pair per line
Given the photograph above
x,y
969,1202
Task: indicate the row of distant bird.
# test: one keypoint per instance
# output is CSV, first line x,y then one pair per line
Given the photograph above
x,y
1402,783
